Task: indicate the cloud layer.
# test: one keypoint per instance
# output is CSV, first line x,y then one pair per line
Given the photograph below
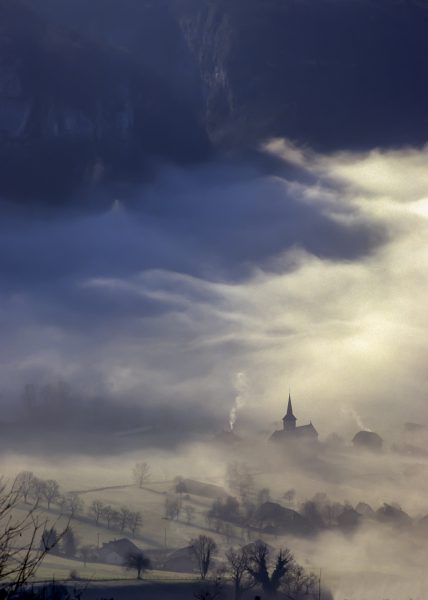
x,y
314,278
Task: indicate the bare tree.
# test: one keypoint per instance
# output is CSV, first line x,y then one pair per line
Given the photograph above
x,y
141,473
72,504
24,481
290,496
124,517
96,510
238,563
203,548
137,561
172,508
50,491
23,543
297,583
37,489
110,515
135,521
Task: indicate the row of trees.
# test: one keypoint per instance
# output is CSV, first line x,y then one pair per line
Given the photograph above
x,y
34,490
24,541
122,518
256,566
246,568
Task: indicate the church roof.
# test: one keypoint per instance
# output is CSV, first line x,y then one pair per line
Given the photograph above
x,y
302,431
306,430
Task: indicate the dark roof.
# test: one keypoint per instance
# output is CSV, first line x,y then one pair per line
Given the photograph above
x,y
122,547
306,430
369,439
272,516
207,490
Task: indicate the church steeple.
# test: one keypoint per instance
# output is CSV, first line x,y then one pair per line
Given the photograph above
x,y
289,421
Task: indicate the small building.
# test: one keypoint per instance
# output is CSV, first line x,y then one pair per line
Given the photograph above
x,y
116,551
368,440
271,517
290,431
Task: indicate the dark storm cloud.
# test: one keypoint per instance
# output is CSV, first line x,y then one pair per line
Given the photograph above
x,y
216,219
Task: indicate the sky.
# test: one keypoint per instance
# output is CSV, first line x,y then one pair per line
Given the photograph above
x,y
226,284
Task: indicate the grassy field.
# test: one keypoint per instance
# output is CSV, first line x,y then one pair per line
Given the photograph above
x,y
347,563
59,568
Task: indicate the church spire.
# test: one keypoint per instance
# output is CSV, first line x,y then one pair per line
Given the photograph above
x,y
289,421
289,407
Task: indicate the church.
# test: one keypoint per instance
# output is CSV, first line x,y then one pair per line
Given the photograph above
x,y
291,431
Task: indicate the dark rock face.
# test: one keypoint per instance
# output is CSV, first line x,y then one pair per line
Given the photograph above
x,y
75,111
330,73
97,90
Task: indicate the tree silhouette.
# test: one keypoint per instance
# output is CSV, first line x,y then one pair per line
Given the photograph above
x,y
238,563
137,561
203,548
24,540
258,567
96,510
141,473
24,482
50,491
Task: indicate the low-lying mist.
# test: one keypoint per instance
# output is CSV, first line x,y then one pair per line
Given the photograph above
x,y
195,304
383,556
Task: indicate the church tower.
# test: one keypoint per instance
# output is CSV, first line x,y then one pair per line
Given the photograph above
x,y
289,421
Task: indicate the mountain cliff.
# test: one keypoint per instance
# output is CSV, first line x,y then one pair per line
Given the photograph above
x,y
99,90
75,111
333,73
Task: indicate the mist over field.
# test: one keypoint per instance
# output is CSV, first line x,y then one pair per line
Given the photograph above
x,y
379,558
